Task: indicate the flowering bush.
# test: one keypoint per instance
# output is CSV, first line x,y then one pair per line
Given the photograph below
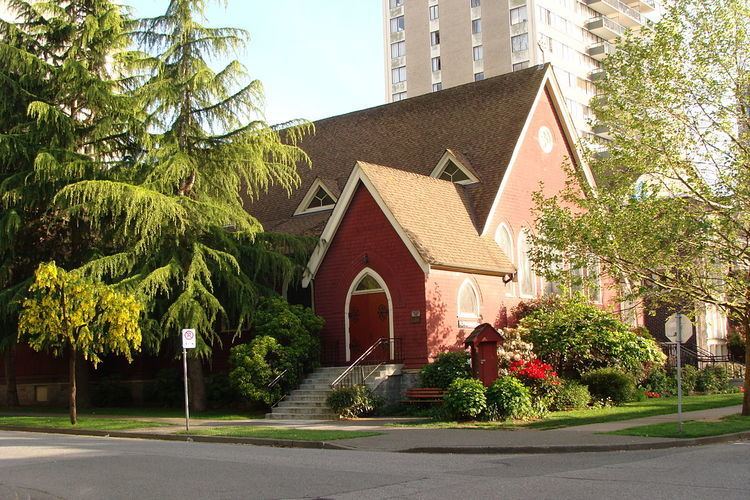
x,y
541,380
532,370
650,394
512,350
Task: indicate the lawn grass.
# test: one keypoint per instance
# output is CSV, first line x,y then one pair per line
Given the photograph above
x,y
140,413
84,423
556,420
647,408
280,433
691,428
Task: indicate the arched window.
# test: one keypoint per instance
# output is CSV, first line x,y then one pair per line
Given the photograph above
x,y
468,305
368,284
526,276
504,240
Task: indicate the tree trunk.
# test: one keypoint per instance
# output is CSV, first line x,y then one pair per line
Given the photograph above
x,y
72,383
83,386
746,397
11,387
197,385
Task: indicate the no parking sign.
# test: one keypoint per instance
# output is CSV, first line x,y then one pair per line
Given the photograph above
x,y
188,338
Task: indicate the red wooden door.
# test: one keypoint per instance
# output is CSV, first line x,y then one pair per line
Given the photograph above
x,y
368,321
488,362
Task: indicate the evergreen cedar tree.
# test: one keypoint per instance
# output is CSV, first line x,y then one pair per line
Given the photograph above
x,y
148,159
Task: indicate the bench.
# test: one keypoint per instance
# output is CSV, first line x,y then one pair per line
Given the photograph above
x,y
424,395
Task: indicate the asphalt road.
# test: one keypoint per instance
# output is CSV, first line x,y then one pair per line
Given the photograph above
x,y
54,466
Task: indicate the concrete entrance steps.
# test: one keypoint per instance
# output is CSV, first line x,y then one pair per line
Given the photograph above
x,y
309,401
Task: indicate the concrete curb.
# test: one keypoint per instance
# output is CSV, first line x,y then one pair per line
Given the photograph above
x,y
279,443
585,448
325,445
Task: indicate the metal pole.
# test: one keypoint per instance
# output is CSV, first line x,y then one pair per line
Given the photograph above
x,y
679,371
187,407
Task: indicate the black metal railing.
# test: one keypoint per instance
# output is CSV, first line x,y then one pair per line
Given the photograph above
x,y
384,350
689,356
292,383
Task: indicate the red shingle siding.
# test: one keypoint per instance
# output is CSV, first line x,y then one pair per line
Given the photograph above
x,y
532,166
443,332
365,230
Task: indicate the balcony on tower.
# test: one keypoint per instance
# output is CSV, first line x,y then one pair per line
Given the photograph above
x,y
626,16
605,27
601,50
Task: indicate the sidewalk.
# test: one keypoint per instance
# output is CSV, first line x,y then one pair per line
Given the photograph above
x,y
585,438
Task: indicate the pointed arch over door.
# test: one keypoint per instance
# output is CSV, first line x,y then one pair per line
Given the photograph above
x,y
368,313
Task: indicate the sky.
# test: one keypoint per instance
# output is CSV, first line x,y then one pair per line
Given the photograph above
x,y
315,58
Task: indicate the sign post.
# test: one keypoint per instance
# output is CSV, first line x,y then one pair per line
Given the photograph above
x,y
188,342
674,327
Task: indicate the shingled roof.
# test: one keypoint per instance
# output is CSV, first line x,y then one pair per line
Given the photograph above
x,y
480,122
433,226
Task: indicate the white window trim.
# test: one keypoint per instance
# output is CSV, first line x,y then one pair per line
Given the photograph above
x,y
466,320
510,287
449,157
524,234
355,282
304,208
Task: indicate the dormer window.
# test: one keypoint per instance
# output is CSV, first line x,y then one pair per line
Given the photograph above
x,y
321,199
452,173
453,167
318,198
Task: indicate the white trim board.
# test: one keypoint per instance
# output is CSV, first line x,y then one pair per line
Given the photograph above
x,y
317,184
349,294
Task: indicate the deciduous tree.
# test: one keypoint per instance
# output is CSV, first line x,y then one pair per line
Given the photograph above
x,y
670,219
67,314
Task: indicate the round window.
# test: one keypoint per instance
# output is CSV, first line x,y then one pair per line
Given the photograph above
x,y
546,141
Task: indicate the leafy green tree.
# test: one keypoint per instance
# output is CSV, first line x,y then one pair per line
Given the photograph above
x,y
62,119
179,219
68,314
670,220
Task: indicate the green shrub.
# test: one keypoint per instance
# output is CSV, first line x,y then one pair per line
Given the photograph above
x,y
736,345
507,398
611,384
254,366
352,402
575,336
570,395
660,382
296,329
689,378
447,367
220,393
166,390
712,379
465,399
111,392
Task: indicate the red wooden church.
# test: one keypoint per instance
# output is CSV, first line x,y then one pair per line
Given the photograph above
x,y
422,208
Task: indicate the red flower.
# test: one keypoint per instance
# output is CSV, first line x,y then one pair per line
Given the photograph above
x,y
532,369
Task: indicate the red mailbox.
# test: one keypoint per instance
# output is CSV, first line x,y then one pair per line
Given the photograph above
x,y
483,342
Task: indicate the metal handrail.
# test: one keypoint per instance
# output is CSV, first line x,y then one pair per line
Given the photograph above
x,y
350,369
275,381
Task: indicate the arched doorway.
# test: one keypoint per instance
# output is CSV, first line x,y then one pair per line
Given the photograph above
x,y
368,315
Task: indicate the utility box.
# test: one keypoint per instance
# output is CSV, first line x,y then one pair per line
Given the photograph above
x,y
483,342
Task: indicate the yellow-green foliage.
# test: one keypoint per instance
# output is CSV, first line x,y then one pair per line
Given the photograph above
x,y
66,311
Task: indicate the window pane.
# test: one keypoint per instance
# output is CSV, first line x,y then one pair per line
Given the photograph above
x,y
479,76
477,52
468,303
398,49
437,86
436,64
526,277
475,3
433,12
368,283
397,24
520,42
518,15
434,38
476,26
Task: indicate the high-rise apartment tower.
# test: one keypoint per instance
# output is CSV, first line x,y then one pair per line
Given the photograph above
x,y
436,44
